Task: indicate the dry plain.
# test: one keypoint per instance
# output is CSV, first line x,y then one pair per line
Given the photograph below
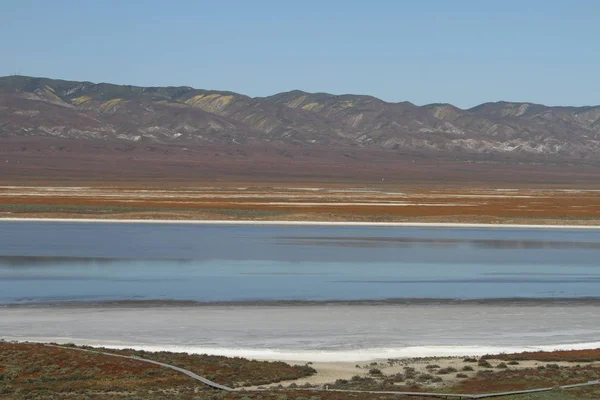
x,y
540,205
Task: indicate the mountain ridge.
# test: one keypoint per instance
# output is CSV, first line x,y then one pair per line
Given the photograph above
x,y
521,131
299,91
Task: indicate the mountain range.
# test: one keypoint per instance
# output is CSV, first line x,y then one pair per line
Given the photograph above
x,y
41,107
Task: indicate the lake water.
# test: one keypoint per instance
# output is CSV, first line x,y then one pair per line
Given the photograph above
x,y
300,292
46,262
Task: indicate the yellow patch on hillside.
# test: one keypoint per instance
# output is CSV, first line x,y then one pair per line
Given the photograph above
x,y
224,100
52,95
296,102
210,102
49,88
106,106
80,100
310,106
193,100
347,104
171,103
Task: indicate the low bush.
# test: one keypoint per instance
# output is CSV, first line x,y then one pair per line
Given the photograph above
x,y
448,370
410,373
397,378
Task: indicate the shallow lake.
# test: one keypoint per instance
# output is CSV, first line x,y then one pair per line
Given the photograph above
x,y
53,262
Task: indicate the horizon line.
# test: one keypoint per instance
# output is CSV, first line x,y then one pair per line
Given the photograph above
x,y
310,93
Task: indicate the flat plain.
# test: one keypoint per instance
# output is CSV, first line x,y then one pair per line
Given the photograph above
x,y
516,204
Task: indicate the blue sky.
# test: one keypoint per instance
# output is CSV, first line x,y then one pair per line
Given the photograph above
x,y
457,51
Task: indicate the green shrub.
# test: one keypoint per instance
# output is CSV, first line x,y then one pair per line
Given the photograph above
x,y
424,378
448,370
410,373
485,372
484,363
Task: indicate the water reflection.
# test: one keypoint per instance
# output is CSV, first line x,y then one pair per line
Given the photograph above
x,y
45,261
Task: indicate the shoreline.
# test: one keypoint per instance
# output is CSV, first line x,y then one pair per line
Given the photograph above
x,y
332,357
403,302
303,223
372,355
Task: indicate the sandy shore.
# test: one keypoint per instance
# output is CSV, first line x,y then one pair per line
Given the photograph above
x,y
302,223
329,372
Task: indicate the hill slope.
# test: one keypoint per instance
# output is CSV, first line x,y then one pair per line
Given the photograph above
x,y
184,116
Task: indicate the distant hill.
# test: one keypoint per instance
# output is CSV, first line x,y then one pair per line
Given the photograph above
x,y
296,121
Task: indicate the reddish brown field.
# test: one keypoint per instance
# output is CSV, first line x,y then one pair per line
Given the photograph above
x,y
47,371
512,380
377,203
571,355
61,160
275,182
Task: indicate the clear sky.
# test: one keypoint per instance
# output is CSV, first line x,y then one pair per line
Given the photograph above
x,y
463,52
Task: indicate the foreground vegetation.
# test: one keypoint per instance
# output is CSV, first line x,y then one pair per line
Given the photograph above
x,y
30,370
589,355
230,371
36,371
